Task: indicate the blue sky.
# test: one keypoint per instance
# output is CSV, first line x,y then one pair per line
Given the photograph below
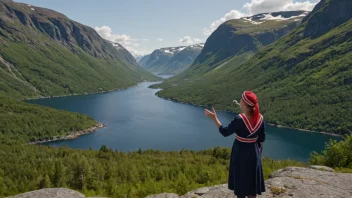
x,y
144,25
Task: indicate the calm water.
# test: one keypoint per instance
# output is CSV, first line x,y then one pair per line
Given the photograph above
x,y
136,118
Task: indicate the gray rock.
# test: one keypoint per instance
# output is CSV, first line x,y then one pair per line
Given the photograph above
x,y
50,193
219,191
291,182
309,183
164,195
323,168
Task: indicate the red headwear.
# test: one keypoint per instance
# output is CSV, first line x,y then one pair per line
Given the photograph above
x,y
251,99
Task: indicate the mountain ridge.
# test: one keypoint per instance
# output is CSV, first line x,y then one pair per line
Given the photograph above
x,y
243,37
302,82
58,56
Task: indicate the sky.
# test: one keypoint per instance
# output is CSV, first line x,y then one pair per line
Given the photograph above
x,y
142,26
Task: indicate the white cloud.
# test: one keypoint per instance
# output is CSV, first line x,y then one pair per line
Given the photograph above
x,y
261,6
189,40
106,33
160,39
123,39
233,14
197,40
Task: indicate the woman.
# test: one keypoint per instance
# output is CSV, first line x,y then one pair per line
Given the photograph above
x,y
245,175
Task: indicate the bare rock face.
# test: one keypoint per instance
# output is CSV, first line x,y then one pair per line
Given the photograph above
x,y
308,182
315,181
164,195
51,193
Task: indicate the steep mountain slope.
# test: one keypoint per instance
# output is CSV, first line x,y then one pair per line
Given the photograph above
x,y
303,80
45,53
127,56
182,60
243,37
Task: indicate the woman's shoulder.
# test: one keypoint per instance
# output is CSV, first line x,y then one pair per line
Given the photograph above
x,y
238,117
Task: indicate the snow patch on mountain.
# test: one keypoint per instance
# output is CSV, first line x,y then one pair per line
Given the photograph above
x,y
249,19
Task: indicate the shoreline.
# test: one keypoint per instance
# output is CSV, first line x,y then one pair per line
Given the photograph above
x,y
165,98
85,94
71,136
275,125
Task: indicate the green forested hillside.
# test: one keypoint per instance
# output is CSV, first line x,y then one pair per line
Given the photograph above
x,y
303,80
44,53
115,174
242,37
22,122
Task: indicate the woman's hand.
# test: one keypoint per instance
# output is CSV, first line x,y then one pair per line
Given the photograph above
x,y
210,114
213,116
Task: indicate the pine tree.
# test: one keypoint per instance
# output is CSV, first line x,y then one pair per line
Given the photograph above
x,y
59,175
45,182
81,173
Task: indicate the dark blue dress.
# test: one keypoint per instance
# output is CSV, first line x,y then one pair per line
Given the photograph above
x,y
245,173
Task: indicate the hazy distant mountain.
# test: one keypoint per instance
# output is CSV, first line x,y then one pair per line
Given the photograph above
x,y
144,60
171,60
182,60
138,57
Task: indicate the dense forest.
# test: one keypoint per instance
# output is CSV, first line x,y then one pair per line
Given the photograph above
x,y
24,123
108,172
307,84
112,173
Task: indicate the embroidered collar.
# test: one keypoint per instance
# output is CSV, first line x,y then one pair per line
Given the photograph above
x,y
251,129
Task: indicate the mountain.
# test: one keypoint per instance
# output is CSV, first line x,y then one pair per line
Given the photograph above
x,y
138,57
127,56
171,60
243,38
144,60
44,53
182,60
160,57
303,80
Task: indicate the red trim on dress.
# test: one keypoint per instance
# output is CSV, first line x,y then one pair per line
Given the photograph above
x,y
246,140
248,124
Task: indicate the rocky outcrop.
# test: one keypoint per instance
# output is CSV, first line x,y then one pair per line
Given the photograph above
x,y
52,193
315,181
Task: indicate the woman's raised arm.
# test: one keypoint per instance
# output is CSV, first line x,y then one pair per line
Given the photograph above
x,y
225,131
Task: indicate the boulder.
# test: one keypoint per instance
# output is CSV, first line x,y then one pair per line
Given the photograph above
x,y
315,181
